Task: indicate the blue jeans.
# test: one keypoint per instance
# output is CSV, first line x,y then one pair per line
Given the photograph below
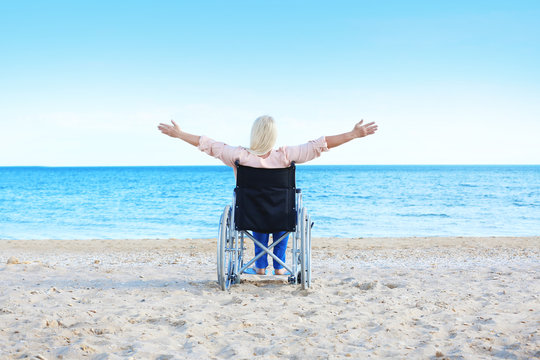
x,y
279,250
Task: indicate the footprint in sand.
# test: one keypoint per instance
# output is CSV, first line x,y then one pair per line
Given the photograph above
x,y
13,260
370,285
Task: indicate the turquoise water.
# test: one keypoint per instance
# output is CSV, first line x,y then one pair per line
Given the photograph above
x,y
345,201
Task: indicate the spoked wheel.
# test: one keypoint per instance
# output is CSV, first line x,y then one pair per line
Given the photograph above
x,y
225,263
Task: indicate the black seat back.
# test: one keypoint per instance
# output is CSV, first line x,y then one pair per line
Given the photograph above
x,y
265,199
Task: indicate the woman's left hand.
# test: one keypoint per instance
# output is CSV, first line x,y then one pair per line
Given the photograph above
x,y
364,130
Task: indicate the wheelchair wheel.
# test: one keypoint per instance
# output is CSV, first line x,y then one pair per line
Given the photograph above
x,y
225,263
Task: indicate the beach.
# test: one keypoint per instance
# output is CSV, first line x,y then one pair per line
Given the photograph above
x,y
398,298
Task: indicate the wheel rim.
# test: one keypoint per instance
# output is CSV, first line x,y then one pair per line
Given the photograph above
x,y
303,257
223,253
308,248
218,260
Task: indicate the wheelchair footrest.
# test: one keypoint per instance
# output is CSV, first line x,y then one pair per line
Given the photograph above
x,y
252,271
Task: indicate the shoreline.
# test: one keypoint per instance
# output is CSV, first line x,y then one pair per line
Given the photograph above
x,y
452,298
356,243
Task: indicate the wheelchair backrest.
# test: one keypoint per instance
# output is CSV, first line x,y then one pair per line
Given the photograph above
x,y
265,199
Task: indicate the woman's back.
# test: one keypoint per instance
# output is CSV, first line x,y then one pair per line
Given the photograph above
x,y
278,158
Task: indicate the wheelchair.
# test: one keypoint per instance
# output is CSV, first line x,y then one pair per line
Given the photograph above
x,y
265,201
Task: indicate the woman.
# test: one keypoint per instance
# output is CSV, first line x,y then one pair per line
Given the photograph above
x,y
261,154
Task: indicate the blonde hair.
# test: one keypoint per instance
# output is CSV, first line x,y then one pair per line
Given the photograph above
x,y
263,135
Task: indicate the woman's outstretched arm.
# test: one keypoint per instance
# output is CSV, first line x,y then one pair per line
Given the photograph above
x,y
219,150
358,132
175,131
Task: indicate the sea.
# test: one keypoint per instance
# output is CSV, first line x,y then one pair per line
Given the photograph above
x,y
344,201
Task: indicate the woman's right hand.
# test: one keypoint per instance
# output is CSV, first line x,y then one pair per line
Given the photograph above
x,y
171,130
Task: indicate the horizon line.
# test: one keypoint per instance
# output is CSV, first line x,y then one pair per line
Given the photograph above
x,y
220,165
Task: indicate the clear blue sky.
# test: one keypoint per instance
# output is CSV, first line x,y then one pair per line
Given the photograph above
x,y
87,82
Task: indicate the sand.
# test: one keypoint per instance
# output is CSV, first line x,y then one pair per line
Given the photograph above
x,y
398,298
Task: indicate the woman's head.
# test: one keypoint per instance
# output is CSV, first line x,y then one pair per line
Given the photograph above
x,y
263,135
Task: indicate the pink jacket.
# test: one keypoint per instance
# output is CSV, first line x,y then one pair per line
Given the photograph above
x,y
279,158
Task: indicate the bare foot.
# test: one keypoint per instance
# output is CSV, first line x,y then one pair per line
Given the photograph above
x,y
260,271
280,271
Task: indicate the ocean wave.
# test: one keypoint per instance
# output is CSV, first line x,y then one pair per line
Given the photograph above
x,y
468,185
525,204
425,215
